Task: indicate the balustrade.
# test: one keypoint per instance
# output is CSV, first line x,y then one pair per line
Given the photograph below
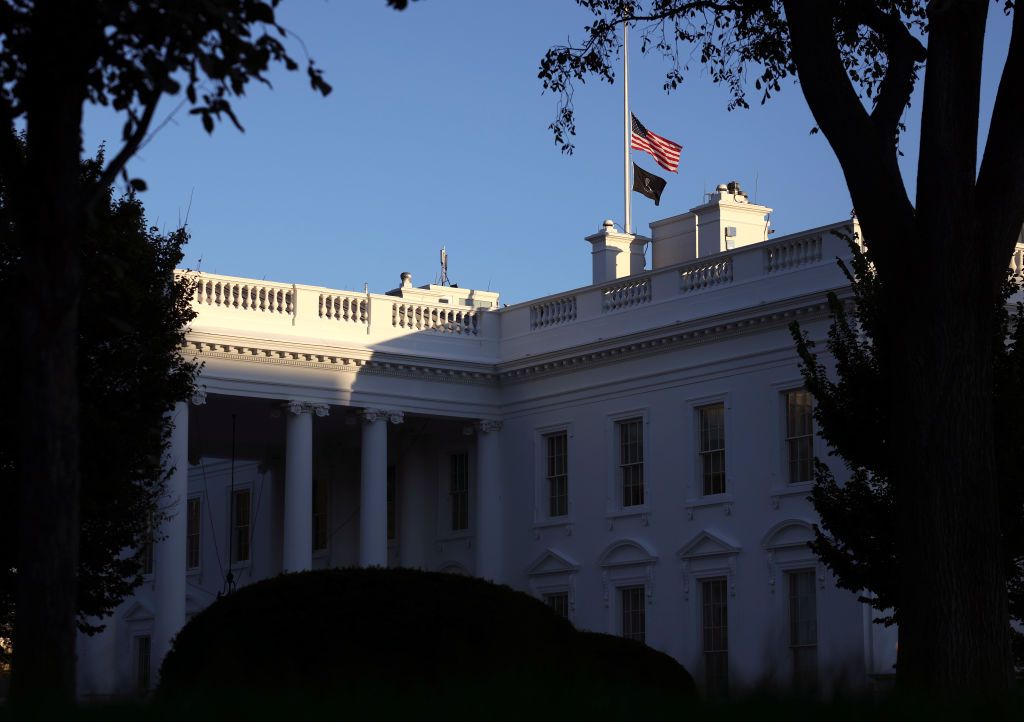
x,y
705,275
553,312
244,296
352,309
798,252
443,319
631,292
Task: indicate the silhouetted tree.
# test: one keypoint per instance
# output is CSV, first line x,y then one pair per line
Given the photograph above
x,y
134,314
55,57
941,259
859,519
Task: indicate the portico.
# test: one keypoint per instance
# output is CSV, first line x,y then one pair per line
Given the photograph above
x,y
313,485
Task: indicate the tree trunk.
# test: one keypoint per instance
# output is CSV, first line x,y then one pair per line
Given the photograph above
x,y
954,625
51,225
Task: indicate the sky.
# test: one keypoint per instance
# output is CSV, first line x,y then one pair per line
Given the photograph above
x,y
436,135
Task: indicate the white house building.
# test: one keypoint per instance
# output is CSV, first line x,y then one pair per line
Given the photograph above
x,y
635,452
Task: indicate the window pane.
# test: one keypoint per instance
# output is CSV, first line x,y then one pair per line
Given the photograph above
x,y
711,449
559,603
803,628
799,436
631,461
715,635
458,491
142,663
557,473
633,613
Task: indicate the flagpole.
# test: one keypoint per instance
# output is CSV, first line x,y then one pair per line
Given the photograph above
x,y
628,126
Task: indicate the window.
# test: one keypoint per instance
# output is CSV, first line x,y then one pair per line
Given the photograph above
x,y
319,515
711,424
240,511
715,635
631,461
559,603
799,436
142,663
803,628
391,503
458,491
633,622
147,551
192,525
557,473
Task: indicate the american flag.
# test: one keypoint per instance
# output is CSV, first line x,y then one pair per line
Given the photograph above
x,y
664,150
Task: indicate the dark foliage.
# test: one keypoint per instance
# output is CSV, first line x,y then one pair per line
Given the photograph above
x,y
402,631
857,535
734,42
133,318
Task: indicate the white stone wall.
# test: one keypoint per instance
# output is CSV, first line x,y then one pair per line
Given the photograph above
x,y
654,345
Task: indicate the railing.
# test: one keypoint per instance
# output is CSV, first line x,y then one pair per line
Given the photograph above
x,y
350,308
245,296
442,319
1017,260
553,312
798,252
705,275
631,292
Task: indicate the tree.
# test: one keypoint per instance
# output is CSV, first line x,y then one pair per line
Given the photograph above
x,y
134,315
55,57
941,259
857,535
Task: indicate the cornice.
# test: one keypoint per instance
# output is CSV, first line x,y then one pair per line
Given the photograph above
x,y
600,353
655,341
339,362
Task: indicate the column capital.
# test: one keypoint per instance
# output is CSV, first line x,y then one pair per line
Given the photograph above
x,y
199,396
488,426
392,415
306,407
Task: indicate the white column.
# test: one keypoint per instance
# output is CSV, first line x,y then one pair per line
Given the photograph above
x,y
488,501
169,551
297,554
373,498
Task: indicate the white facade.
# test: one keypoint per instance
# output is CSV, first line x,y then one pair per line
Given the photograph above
x,y
332,393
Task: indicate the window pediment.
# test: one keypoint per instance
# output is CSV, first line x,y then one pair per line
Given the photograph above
x,y
626,552
789,533
551,562
706,544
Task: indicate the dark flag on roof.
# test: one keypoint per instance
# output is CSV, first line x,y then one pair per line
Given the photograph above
x,y
648,184
664,150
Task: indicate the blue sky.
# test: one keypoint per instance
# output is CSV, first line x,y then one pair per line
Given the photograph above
x,y
436,134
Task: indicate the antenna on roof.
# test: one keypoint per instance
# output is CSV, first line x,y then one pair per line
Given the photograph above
x,y
444,267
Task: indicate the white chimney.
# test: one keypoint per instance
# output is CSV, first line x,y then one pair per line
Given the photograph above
x,y
728,220
616,255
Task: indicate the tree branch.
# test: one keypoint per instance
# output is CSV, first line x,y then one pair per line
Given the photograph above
x,y
1000,187
904,52
867,156
131,145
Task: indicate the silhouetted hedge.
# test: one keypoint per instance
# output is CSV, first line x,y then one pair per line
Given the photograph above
x,y
343,630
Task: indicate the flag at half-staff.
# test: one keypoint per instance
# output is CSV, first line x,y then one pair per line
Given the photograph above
x,y
665,151
648,184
